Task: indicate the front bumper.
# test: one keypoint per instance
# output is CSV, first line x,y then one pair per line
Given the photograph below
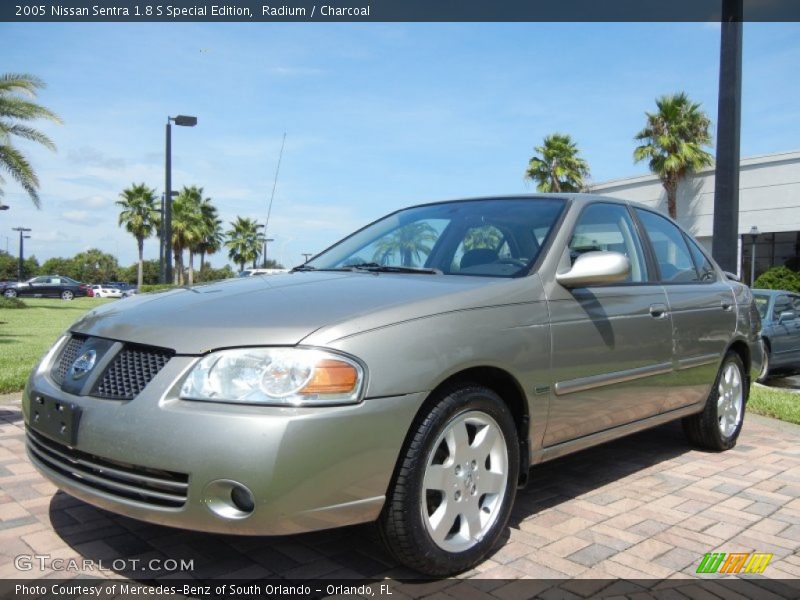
x,y
307,468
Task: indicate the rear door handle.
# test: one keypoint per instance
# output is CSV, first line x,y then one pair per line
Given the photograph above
x,y
726,306
658,311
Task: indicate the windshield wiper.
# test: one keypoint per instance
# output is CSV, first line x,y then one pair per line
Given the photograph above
x,y
376,268
310,268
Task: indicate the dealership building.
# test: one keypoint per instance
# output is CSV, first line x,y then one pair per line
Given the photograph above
x,y
769,206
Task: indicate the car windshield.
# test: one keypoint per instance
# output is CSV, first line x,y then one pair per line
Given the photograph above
x,y
762,302
490,238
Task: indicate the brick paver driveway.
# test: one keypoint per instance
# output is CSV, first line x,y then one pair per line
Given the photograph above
x,y
643,507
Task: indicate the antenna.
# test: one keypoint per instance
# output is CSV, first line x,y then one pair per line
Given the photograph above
x,y
272,197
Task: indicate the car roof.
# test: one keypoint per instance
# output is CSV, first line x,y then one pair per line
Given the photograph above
x,y
577,198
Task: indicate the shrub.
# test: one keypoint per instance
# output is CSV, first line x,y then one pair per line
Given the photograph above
x,y
157,287
11,303
779,278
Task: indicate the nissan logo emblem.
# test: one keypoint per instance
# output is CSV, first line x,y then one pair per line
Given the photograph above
x,y
83,364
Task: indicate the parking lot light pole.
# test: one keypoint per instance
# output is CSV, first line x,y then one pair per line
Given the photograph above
x,y
166,240
306,256
754,233
22,237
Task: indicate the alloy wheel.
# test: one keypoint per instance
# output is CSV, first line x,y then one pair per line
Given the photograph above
x,y
730,401
464,482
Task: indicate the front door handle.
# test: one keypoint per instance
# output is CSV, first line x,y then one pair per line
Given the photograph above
x,y
658,311
726,306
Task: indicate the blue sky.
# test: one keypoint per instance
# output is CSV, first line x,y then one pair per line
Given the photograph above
x,y
378,116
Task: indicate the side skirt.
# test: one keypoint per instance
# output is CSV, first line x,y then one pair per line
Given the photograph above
x,y
551,452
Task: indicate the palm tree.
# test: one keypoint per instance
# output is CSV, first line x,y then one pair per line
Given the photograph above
x,y
673,142
140,216
409,241
244,241
15,109
212,236
557,166
187,229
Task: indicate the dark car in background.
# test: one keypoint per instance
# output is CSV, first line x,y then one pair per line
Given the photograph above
x,y
780,331
48,286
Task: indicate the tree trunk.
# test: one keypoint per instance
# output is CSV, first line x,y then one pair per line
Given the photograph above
x,y
178,275
191,268
140,274
672,198
202,260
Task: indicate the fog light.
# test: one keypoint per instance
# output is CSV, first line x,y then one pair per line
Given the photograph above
x,y
228,499
242,499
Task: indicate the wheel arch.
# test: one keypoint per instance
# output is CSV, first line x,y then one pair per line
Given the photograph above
x,y
741,348
505,385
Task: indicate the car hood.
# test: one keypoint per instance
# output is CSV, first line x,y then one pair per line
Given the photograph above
x,y
284,309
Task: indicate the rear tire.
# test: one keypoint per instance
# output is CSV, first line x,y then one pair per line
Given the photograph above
x,y
67,295
455,483
718,426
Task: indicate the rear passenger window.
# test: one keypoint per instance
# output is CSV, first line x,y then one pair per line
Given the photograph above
x,y
672,254
782,304
702,263
604,227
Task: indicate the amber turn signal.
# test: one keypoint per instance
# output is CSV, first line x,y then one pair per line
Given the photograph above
x,y
331,377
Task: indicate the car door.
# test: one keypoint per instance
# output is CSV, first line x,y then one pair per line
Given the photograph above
x,y
57,284
38,286
701,303
611,344
785,332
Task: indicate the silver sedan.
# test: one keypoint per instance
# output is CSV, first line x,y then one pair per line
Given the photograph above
x,y
411,374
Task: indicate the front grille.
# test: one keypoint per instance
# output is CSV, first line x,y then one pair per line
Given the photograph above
x,y
67,357
130,371
153,487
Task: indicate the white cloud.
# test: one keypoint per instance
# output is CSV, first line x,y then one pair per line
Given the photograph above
x,y
80,217
295,71
92,157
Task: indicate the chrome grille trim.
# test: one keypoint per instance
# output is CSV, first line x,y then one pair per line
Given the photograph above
x,y
126,481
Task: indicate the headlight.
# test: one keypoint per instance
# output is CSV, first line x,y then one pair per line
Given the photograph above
x,y
277,376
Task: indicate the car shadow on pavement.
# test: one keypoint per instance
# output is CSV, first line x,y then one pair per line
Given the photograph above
x,y
585,473
13,415
127,546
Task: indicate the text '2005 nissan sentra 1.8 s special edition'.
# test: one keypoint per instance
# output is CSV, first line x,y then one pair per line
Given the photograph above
x,y
411,375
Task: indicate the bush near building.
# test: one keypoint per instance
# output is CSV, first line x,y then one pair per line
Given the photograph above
x,y
779,278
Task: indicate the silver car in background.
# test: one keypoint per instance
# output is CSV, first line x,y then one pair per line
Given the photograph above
x,y
411,374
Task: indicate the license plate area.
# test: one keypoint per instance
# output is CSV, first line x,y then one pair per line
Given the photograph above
x,y
55,419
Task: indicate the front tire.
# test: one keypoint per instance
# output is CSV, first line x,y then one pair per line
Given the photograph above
x,y
10,293
67,295
718,426
455,484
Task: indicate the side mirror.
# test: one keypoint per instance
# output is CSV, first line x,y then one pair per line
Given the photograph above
x,y
732,276
596,268
787,315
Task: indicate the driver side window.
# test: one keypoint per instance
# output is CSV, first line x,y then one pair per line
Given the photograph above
x,y
608,227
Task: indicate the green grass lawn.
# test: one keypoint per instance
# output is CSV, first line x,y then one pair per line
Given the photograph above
x,y
27,333
776,403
